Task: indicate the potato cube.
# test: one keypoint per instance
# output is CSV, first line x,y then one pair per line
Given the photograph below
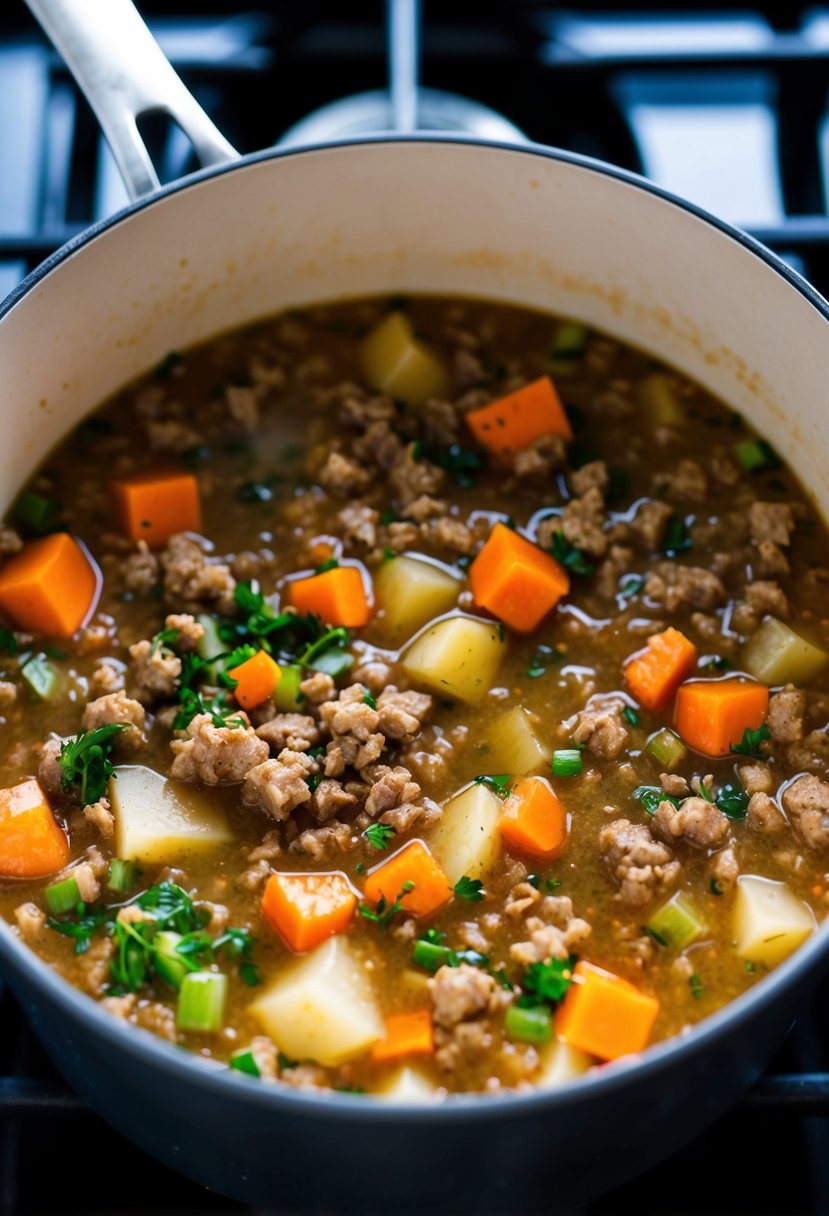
x,y
466,840
561,1063
456,657
409,1086
398,363
412,590
769,920
322,1008
158,820
512,745
777,655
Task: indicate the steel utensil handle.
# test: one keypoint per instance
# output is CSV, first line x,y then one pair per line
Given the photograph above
x,y
124,74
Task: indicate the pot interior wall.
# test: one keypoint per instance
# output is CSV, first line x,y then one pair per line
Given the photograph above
x,y
412,216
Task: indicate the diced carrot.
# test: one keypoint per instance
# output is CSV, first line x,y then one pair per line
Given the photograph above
x,y
32,842
256,679
412,864
533,819
51,587
605,1015
712,715
152,506
512,423
407,1034
654,674
338,596
515,580
305,909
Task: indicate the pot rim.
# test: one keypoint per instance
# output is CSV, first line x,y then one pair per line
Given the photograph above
x,y
470,1107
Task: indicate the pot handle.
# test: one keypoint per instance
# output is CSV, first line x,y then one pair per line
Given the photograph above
x,y
124,74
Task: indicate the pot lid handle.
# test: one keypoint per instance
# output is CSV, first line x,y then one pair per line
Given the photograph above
x,y
124,75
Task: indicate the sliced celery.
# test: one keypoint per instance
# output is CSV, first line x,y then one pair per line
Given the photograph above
x,y
568,348
245,1061
201,1002
659,401
777,655
42,677
167,961
36,511
62,896
666,748
676,924
287,695
754,454
122,875
210,643
534,1025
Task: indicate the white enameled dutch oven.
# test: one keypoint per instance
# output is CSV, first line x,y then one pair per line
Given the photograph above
x,y
250,236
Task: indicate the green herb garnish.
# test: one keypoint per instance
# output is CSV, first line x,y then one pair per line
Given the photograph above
x,y
568,555
750,743
544,657
677,538
85,761
471,889
380,835
651,795
497,782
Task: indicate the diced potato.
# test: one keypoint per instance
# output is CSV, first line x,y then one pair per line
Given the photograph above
x,y
158,820
561,1063
769,920
466,839
456,657
778,655
322,1008
512,745
411,591
397,363
659,402
408,1085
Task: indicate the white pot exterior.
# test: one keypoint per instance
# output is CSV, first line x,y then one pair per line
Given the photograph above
x,y
419,215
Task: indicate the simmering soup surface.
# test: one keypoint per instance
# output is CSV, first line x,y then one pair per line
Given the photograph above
x,y
414,695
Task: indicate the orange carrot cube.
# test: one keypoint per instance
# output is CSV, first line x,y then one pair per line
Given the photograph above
x,y
515,580
337,596
32,842
605,1015
50,588
654,674
153,506
712,715
412,864
256,679
406,1034
533,820
305,909
514,422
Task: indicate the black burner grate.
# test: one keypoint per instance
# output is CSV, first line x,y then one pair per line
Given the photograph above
x,y
628,87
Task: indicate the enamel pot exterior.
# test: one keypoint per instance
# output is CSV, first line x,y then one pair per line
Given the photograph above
x,y
431,215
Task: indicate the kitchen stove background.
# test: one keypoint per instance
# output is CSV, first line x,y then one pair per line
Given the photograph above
x,y
726,107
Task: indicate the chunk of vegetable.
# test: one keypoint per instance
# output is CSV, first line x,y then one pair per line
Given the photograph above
x,y
407,1085
655,673
605,1015
406,1034
256,679
152,506
32,842
658,401
456,657
776,654
305,909
532,1025
288,694
533,820
712,715
754,454
512,423
62,896
337,596
42,677
158,820
167,960
413,864
769,920
322,1008
411,591
560,1063
568,348
466,840
666,748
201,1002
396,362
677,923
51,587
512,745
515,580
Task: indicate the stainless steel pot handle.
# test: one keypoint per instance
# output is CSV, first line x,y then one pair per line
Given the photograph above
x,y
124,74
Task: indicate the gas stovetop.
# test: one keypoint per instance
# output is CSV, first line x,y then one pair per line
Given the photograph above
x,y
726,108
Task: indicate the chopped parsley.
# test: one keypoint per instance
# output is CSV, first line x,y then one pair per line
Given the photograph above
x,y
677,538
630,715
547,982
385,912
164,640
369,700
697,988
461,463
8,642
331,564
750,744
630,585
733,801
497,782
380,835
568,555
715,887
651,795
85,761
715,662
471,889
548,884
544,657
